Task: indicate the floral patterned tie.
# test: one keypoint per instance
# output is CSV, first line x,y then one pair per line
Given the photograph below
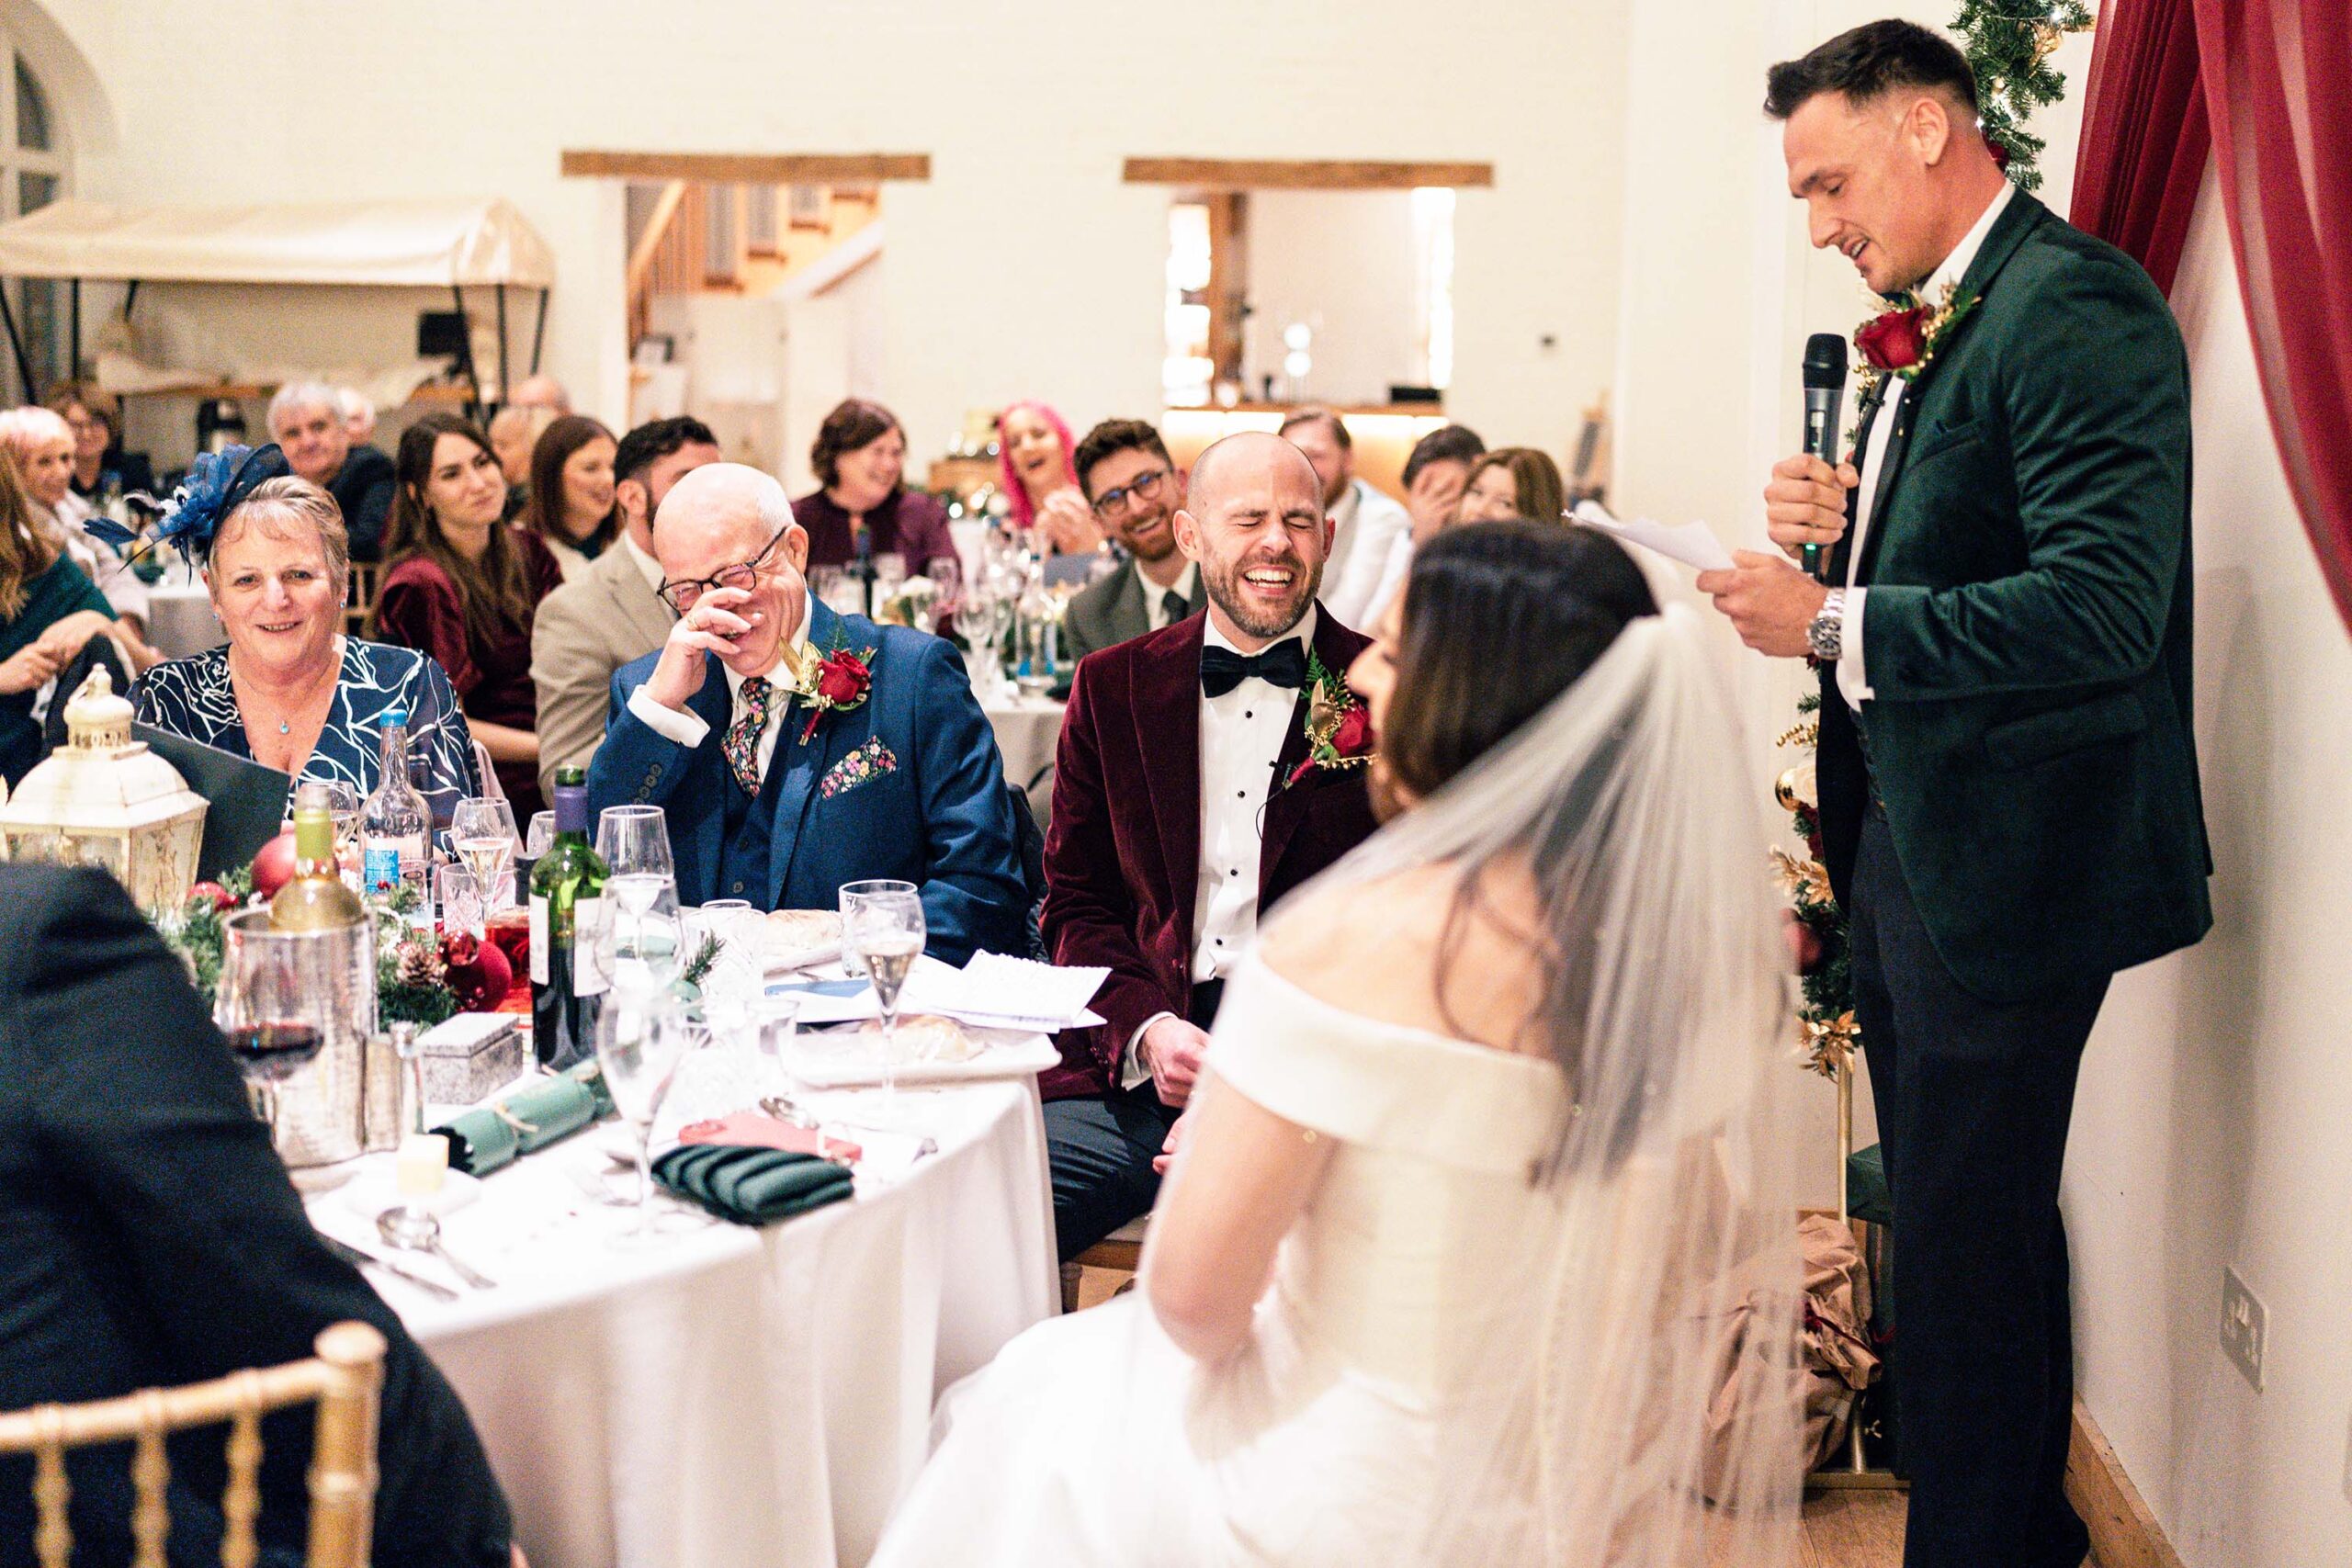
x,y
741,747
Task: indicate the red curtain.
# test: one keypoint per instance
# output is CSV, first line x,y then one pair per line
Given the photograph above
x,y
2144,134
2267,85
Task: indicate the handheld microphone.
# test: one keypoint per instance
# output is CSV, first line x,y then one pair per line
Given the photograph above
x,y
1825,383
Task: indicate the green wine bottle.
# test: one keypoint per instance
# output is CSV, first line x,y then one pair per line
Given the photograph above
x,y
568,914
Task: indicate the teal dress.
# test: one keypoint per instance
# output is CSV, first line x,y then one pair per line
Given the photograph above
x,y
49,598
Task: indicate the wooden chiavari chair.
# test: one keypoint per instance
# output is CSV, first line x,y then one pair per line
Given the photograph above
x,y
361,601
344,1380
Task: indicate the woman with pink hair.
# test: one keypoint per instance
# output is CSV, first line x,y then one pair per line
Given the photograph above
x,y
1033,448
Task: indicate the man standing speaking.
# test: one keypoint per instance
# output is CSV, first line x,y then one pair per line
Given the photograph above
x,y
2009,793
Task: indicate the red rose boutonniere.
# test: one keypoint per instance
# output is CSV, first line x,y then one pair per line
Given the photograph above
x,y
834,684
1339,728
1904,343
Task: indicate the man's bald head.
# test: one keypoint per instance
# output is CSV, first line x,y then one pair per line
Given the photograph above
x,y
715,522
1226,462
719,503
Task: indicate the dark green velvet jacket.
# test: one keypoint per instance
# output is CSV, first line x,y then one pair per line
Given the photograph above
x,y
2026,636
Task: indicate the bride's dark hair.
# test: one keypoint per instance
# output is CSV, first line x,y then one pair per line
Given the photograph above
x,y
1499,619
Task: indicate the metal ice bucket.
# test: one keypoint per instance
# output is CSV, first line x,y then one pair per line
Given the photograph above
x,y
330,978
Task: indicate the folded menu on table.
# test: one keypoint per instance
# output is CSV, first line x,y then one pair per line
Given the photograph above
x,y
991,992
543,1110
750,1186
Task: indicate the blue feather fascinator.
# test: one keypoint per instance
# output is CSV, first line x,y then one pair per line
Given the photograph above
x,y
216,483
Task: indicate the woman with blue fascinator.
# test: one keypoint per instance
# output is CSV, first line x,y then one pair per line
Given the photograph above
x,y
289,690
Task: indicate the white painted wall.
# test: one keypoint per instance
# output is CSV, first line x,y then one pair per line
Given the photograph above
x,y
1345,263
1024,267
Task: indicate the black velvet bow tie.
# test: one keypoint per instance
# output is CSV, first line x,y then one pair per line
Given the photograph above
x,y
1284,664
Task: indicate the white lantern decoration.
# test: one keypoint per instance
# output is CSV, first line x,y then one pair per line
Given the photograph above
x,y
103,799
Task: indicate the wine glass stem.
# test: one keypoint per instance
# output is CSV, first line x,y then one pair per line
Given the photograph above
x,y
889,1058
644,1176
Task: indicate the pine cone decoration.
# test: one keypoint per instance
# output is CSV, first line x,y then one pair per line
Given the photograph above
x,y
420,965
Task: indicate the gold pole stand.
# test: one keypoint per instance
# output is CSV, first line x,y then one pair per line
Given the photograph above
x,y
1854,1476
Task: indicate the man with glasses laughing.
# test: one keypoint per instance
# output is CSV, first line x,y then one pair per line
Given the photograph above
x,y
796,750
1123,468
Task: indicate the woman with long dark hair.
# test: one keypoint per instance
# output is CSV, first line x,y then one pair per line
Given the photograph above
x,y
571,505
464,587
49,612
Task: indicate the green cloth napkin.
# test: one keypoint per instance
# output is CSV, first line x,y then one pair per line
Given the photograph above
x,y
752,1186
536,1116
1867,1197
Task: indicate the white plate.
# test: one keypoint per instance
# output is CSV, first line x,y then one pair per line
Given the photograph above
x,y
849,1059
370,1192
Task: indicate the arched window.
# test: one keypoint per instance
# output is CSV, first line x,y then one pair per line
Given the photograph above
x,y
34,162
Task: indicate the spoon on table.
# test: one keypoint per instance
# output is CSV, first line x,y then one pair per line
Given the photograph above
x,y
415,1230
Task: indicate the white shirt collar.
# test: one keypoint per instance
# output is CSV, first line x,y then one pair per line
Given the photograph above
x,y
1955,265
645,563
1304,631
1181,587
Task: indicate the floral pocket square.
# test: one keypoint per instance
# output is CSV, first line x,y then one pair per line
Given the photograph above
x,y
862,766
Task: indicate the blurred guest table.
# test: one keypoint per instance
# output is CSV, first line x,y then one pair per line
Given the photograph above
x,y
1028,728
180,621
729,1396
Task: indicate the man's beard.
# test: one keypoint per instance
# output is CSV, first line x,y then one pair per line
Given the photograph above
x,y
1226,591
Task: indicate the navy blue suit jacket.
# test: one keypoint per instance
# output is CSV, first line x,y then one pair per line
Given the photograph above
x,y
928,806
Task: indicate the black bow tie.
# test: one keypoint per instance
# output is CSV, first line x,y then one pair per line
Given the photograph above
x,y
1284,664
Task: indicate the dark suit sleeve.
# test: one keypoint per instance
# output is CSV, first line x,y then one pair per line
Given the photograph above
x,y
367,517
150,1126
974,899
2098,417
637,764
1089,911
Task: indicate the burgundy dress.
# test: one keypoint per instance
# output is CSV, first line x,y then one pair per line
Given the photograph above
x,y
910,524
418,607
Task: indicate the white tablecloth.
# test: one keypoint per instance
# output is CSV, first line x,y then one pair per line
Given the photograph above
x,y
734,1396
1027,730
180,621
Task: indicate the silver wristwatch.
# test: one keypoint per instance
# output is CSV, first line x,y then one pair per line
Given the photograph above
x,y
1826,634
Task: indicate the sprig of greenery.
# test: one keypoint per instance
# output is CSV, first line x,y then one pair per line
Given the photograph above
x,y
2009,43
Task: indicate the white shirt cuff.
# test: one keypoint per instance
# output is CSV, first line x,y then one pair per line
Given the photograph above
x,y
685,728
1133,1074
1853,682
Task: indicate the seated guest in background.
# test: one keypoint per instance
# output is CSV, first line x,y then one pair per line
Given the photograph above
x,y
1135,490
153,1238
50,614
1366,524
306,419
513,434
1435,475
570,506
786,768
1180,813
864,508
358,415
463,587
613,612
1513,481
42,446
289,689
539,392
1040,479
95,416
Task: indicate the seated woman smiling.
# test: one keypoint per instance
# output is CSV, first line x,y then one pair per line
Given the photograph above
x,y
289,690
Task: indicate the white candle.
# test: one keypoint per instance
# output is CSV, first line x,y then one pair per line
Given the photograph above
x,y
423,1161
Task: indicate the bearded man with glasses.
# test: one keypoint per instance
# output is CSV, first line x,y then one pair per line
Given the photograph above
x,y
1123,468
796,750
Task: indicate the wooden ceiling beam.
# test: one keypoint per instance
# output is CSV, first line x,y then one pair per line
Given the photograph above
x,y
749,168
1292,173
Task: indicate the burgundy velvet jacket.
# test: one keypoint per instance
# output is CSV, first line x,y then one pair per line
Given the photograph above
x,y
1123,855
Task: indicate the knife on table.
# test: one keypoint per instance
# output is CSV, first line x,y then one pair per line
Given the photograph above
x,y
359,1257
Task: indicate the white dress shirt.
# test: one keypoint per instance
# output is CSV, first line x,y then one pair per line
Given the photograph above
x,y
1367,524
1853,684
1242,735
1155,598
686,726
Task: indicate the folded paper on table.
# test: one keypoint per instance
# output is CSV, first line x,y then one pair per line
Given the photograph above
x,y
750,1186
1692,543
492,1136
853,1059
991,992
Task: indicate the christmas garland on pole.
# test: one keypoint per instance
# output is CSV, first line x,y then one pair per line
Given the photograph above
x,y
2009,44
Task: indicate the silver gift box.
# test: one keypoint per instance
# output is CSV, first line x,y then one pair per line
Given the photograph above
x,y
470,1058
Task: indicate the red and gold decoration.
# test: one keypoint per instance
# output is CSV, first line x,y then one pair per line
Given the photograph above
x,y
833,683
1338,727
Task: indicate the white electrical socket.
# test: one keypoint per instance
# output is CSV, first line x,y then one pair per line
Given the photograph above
x,y
2245,1326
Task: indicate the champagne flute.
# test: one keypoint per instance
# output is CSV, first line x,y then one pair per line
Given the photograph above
x,y
343,807
641,1039
644,934
482,830
883,933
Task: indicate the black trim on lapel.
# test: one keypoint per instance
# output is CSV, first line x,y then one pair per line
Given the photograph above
x,y
1164,704
1286,808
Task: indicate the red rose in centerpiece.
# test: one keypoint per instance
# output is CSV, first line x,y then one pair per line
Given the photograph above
x,y
1896,340
478,973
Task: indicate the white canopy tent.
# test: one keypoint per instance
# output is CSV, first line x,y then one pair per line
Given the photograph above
x,y
452,245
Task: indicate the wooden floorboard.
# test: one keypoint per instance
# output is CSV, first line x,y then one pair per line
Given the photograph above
x,y
1857,1529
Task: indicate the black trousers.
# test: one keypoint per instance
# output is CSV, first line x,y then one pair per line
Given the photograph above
x,y
1099,1150
1973,1099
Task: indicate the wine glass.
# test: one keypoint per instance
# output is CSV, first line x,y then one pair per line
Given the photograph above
x,y
260,1007
640,1038
344,807
882,933
457,896
482,830
542,837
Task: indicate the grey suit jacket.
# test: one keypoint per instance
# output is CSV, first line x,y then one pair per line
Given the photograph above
x,y
1113,611
586,630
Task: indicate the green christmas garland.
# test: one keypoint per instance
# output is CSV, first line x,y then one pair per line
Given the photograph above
x,y
2009,44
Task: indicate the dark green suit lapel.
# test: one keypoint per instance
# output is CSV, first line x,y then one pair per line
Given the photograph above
x,y
2018,219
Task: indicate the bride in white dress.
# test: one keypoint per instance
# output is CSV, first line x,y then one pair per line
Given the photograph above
x,y
1479,1246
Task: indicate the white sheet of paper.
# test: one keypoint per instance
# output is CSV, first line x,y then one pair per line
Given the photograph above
x,y
1692,543
1004,993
